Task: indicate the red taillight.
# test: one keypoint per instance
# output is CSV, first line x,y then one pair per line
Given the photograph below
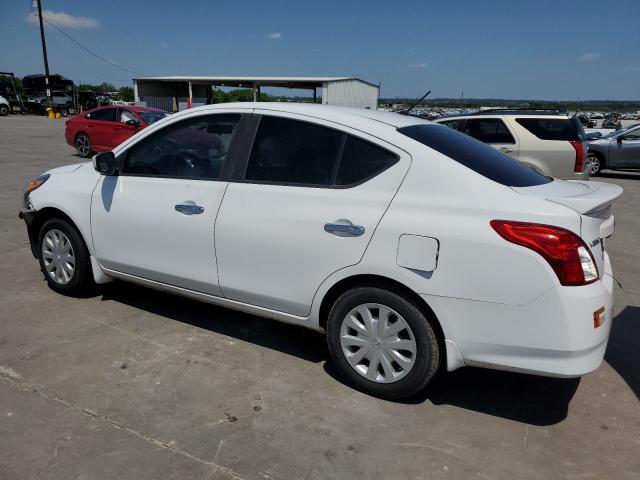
x,y
565,251
579,147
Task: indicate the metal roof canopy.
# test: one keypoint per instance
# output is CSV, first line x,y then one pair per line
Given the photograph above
x,y
249,82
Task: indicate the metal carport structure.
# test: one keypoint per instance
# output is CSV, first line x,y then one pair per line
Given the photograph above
x,y
181,90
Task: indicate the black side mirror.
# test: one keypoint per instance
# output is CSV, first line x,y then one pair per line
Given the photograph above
x,y
105,163
133,123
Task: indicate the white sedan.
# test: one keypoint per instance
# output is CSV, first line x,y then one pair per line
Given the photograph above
x,y
413,246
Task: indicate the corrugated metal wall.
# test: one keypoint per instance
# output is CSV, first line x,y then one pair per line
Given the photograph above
x,y
350,93
164,103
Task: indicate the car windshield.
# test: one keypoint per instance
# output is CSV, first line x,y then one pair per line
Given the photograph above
x,y
620,131
151,117
475,155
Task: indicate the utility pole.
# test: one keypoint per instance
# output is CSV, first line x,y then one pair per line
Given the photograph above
x,y
44,54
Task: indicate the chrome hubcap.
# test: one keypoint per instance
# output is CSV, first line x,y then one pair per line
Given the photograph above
x,y
594,164
57,256
378,343
82,145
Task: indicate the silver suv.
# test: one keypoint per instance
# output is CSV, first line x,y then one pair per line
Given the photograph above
x,y
550,142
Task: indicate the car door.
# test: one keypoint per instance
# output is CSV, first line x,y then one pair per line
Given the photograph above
x,y
624,151
121,130
494,132
156,219
100,125
305,205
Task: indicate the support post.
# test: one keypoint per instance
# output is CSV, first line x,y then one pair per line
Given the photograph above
x,y
136,97
44,54
315,95
190,102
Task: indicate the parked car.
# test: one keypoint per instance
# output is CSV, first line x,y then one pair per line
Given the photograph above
x,y
5,107
618,150
585,121
103,128
548,141
411,245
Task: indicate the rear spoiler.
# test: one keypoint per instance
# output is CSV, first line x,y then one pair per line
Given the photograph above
x,y
585,198
599,197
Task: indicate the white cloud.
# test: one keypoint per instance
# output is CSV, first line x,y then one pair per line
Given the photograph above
x,y
274,36
418,65
589,56
164,44
62,19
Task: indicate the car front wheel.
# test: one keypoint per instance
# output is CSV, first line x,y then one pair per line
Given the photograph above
x,y
4,110
382,343
83,145
64,258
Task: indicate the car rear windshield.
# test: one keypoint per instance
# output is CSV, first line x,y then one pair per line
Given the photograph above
x,y
475,155
552,128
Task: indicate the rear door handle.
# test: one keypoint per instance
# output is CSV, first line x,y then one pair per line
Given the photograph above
x,y
346,229
189,209
506,150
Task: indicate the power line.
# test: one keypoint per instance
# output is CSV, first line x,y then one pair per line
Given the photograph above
x,y
113,64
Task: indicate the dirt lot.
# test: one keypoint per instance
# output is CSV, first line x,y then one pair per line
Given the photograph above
x,y
136,384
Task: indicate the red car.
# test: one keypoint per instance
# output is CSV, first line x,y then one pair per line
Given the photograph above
x,y
103,128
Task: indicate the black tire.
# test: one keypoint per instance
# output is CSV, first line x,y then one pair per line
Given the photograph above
x,y
595,163
427,358
64,112
81,281
80,145
4,110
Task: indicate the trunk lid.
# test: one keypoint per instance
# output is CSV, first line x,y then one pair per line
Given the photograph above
x,y
592,201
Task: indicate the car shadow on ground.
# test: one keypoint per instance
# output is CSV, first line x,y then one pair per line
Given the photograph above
x,y
620,174
296,341
523,398
623,351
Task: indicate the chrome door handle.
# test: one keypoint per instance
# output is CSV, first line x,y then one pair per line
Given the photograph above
x,y
344,229
506,150
187,209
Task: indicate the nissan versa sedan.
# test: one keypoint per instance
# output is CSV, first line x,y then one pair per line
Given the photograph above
x,y
414,247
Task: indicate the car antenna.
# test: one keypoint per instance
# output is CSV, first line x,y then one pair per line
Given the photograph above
x,y
413,105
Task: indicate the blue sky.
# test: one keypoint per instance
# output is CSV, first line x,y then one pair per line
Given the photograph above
x,y
535,49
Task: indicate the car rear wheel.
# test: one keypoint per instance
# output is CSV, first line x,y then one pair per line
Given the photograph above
x,y
594,163
64,258
83,145
382,343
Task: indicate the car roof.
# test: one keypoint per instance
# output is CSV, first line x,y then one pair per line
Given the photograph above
x,y
328,112
134,108
511,112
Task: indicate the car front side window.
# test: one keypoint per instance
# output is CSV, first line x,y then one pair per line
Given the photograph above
x,y
126,115
194,148
632,135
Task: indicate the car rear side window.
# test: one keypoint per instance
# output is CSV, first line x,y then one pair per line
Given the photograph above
x,y
488,130
475,155
455,124
105,114
293,152
362,160
193,148
551,128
